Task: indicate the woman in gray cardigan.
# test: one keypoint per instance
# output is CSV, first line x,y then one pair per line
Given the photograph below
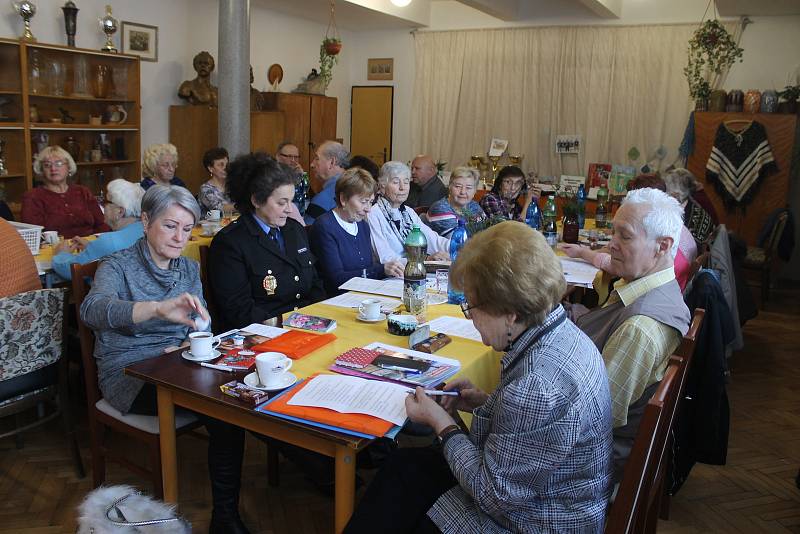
x,y
144,301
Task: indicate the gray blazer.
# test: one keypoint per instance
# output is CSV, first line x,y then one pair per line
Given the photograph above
x,y
122,279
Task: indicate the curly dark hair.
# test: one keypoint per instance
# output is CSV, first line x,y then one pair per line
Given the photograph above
x,y
253,177
509,170
212,155
365,163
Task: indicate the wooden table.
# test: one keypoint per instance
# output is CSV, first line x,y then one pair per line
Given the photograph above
x,y
186,384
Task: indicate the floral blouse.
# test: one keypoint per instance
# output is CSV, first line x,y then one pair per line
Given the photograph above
x,y
211,198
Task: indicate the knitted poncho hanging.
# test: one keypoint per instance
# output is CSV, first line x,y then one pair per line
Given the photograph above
x,y
739,161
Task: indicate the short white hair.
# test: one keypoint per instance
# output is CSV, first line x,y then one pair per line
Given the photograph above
x,y
393,169
664,217
127,195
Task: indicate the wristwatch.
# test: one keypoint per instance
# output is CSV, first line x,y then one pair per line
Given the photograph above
x,y
448,432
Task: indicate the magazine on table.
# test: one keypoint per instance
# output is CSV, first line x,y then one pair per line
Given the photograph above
x,y
240,356
395,364
314,323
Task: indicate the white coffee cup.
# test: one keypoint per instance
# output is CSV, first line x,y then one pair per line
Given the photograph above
x,y
370,309
50,237
271,368
201,344
213,215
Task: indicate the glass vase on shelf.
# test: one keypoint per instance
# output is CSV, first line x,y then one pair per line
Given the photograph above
x,y
119,76
56,77
80,76
35,75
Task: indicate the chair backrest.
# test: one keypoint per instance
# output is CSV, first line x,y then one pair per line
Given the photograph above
x,y
639,491
80,287
421,210
208,293
771,245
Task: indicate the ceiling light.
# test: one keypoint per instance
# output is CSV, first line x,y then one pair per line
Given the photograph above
x,y
401,3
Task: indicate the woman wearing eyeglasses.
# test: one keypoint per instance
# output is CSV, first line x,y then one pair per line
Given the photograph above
x,y
538,454
159,164
69,209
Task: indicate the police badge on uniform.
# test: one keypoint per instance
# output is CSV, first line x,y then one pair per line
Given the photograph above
x,y
270,284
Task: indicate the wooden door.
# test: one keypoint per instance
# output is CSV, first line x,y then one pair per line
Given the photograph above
x,y
371,122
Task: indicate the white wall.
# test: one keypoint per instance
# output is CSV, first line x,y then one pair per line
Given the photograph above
x,y
185,28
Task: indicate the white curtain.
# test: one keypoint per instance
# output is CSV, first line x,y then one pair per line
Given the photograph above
x,y
618,87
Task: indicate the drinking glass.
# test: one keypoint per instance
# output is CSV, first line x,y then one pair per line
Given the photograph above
x,y
120,78
57,74
80,76
442,276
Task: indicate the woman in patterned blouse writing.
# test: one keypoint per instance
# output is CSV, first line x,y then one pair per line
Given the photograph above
x,y
538,454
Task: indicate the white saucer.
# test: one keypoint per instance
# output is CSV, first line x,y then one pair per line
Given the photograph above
x,y
435,298
381,317
213,356
251,380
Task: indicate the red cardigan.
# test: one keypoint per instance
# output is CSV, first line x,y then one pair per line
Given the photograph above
x,y
75,212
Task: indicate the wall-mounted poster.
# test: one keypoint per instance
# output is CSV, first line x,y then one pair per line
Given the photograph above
x,y
140,40
380,68
568,144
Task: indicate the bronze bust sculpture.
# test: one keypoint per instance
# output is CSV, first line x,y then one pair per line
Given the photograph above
x,y
200,91
256,98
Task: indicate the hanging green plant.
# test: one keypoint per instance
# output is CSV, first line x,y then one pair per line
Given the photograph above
x,y
327,61
711,50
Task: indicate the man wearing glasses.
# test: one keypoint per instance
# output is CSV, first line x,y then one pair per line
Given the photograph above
x,y
289,154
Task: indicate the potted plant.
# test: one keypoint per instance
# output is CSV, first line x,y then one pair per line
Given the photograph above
x,y
326,60
332,45
789,95
711,50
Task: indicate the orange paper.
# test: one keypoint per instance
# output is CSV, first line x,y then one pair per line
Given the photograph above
x,y
295,344
357,422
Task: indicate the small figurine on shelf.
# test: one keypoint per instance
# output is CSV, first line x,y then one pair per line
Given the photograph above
x,y
256,98
200,91
66,118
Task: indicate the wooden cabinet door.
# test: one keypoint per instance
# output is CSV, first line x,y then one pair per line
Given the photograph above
x,y
297,112
323,120
193,130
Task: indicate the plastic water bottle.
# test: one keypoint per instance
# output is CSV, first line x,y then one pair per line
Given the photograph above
x,y
549,227
601,211
533,217
414,276
580,198
457,242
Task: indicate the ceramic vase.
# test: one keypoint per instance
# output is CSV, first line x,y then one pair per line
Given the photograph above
x,y
752,101
769,101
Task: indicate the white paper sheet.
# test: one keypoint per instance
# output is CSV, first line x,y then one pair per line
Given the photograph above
x,y
454,326
353,300
350,394
264,330
391,287
577,272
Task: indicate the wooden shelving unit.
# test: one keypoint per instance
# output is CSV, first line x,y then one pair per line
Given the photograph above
x,y
24,137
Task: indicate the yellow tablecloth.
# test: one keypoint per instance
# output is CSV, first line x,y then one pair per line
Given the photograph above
x,y
44,259
479,363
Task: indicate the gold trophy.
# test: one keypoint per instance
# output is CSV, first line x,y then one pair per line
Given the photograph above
x,y
26,9
495,167
109,26
475,161
516,160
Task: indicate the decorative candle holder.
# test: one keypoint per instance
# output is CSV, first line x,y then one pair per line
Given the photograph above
x,y
109,26
26,9
70,20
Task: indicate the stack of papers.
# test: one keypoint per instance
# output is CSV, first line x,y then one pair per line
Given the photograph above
x,y
453,326
391,287
578,272
353,300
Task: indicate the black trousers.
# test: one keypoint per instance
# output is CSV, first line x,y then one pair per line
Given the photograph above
x,y
225,455
402,492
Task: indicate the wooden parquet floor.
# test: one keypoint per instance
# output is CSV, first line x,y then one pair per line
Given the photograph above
x,y
754,493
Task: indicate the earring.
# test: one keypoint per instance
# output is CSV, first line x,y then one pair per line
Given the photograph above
x,y
510,341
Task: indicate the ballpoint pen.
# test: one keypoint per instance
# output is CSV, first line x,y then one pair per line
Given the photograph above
x,y
435,393
219,367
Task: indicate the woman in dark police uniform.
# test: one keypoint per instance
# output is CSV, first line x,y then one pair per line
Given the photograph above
x,y
261,266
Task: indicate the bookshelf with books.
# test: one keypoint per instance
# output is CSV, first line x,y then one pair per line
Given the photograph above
x,y
86,101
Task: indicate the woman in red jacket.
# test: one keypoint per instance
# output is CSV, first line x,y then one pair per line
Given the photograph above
x,y
69,209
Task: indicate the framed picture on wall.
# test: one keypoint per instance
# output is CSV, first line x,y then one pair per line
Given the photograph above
x,y
380,68
140,40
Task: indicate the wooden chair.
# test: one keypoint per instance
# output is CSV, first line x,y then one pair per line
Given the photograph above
x,y
761,259
33,365
683,358
636,506
421,210
103,417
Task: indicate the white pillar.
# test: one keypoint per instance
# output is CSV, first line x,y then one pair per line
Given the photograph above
x,y
234,76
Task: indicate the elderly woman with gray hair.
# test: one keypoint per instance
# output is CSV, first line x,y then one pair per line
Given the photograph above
x,y
445,213
682,185
144,301
390,220
159,163
69,209
538,454
122,213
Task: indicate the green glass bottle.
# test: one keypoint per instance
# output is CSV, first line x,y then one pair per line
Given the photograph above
x,y
414,283
601,211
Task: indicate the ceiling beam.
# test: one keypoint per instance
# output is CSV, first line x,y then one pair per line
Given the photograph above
x,y
609,9
507,10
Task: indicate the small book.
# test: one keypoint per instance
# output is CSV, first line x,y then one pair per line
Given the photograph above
x,y
237,358
357,358
313,323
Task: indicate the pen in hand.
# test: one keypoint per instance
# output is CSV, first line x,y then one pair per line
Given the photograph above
x,y
435,392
